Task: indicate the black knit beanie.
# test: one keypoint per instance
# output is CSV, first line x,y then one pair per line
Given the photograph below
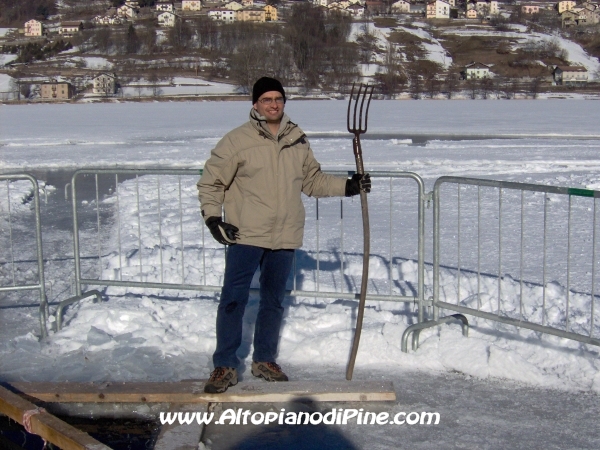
x,y
266,84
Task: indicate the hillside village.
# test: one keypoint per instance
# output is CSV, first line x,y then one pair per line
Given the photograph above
x,y
73,50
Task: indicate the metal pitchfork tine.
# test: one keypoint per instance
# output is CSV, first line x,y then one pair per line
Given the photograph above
x,y
361,96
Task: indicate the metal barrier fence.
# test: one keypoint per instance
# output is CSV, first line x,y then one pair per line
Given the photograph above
x,y
21,261
516,253
142,229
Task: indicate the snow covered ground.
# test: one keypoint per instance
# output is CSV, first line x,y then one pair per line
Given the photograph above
x,y
178,86
5,59
576,54
436,53
434,48
5,82
145,337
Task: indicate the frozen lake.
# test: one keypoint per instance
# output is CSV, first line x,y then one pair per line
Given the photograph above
x,y
142,337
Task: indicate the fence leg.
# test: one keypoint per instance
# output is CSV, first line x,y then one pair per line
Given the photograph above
x,y
62,305
418,327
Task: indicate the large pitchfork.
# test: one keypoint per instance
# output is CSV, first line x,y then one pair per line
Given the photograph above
x,y
364,92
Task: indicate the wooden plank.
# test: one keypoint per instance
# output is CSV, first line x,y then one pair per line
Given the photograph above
x,y
177,436
47,426
193,392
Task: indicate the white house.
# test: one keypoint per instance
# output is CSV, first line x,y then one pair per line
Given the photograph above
x,y
438,9
356,10
34,28
191,5
401,6
164,6
70,28
233,6
337,6
221,14
167,19
565,5
109,20
471,13
105,84
476,70
418,9
487,7
570,75
588,14
127,11
530,9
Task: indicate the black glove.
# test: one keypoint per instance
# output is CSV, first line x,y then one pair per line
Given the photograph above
x,y
224,233
357,183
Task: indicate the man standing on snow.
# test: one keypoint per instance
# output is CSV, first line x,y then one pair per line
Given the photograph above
x,y
256,173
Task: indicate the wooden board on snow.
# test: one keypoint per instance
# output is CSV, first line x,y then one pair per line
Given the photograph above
x,y
47,426
193,392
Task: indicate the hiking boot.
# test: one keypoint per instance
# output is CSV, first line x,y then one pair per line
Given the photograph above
x,y
270,371
220,379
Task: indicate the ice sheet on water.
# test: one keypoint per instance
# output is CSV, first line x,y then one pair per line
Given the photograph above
x,y
97,337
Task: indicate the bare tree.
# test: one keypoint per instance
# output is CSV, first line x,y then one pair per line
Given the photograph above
x,y
132,45
102,39
248,64
472,86
25,90
416,86
306,35
138,88
367,42
153,80
450,85
148,40
217,64
207,33
391,79
499,87
534,87
512,88
179,35
280,60
313,36
432,85
485,87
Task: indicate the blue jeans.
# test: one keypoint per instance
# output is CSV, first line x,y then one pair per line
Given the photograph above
x,y
240,264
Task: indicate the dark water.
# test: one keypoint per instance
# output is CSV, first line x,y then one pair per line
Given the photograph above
x,y
117,434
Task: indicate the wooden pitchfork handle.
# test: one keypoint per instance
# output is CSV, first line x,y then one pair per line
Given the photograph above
x,y
357,131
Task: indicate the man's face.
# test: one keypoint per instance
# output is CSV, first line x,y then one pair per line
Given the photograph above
x,y
270,105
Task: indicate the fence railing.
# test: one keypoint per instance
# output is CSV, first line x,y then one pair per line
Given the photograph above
x,y
516,253
21,261
521,254
142,229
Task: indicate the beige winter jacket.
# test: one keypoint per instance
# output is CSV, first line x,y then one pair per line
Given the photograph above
x,y
258,179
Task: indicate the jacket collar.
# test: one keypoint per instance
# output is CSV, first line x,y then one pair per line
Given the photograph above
x,y
285,127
